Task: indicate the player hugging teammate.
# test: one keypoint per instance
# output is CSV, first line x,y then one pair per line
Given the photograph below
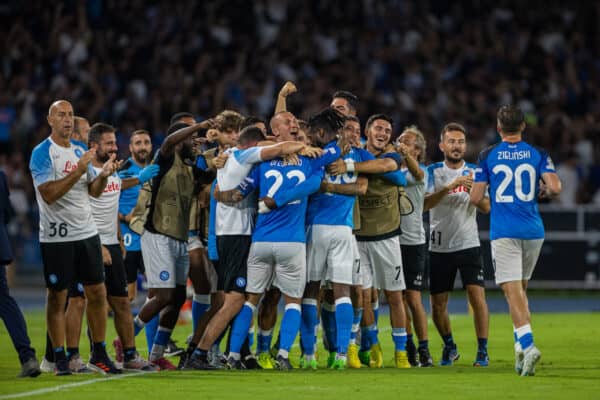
x,y
307,213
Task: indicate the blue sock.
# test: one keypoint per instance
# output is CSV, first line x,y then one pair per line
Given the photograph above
x,y
344,315
138,325
355,324
423,344
329,328
372,333
200,304
399,338
525,336
482,344
162,336
290,324
239,329
151,328
515,334
448,340
365,344
263,341
310,319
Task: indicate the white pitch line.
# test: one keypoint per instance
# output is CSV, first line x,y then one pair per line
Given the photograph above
x,y
69,385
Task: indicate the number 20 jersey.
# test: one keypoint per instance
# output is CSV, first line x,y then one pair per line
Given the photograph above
x,y
513,172
70,217
452,222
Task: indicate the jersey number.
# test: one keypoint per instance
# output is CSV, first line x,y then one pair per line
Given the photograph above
x,y
501,197
273,173
127,239
62,230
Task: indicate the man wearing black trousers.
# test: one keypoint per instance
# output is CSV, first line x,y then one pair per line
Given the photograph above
x,y
9,311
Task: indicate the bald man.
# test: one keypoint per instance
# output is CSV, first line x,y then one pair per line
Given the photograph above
x,y
81,128
69,241
284,126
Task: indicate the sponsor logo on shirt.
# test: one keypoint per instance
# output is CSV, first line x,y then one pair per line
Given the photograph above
x,y
112,187
69,167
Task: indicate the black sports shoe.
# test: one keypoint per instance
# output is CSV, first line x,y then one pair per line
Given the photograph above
x,y
232,363
173,350
283,364
61,368
30,368
425,359
250,362
182,360
103,364
197,363
411,352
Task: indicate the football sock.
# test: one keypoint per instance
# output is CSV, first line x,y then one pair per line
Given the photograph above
x,y
329,327
310,319
150,330
263,340
448,340
355,324
399,338
290,324
344,315
200,304
239,329
160,343
525,337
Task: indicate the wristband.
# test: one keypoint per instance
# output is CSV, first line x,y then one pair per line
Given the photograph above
x,y
349,165
262,207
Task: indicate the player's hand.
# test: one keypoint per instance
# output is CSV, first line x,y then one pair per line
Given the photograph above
x,y
111,166
106,258
148,173
310,151
466,181
403,149
85,159
207,124
212,135
265,205
220,160
344,144
197,143
337,167
287,89
291,159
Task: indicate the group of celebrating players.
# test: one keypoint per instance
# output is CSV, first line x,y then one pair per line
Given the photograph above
x,y
307,212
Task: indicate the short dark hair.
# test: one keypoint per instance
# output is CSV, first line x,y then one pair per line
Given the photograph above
x,y
251,134
375,117
176,126
251,120
352,118
97,130
452,126
329,120
177,116
139,132
510,119
351,98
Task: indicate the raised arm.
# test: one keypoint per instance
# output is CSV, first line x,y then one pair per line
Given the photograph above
x,y
168,146
412,164
144,176
286,90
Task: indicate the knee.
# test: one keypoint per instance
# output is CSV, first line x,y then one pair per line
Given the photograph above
x,y
120,304
438,306
77,304
56,299
95,293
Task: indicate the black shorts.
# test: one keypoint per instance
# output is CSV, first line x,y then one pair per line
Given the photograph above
x,y
66,263
76,290
443,267
233,267
116,278
134,265
413,265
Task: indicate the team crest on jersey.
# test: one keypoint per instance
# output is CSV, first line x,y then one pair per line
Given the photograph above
x,y
53,279
164,275
78,152
80,288
240,282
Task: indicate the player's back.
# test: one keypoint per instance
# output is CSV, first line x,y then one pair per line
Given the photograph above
x,y
286,223
513,171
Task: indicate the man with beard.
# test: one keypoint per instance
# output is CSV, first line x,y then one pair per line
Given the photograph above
x,y
454,241
105,213
69,240
164,241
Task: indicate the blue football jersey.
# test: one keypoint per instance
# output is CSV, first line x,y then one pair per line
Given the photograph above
x,y
513,172
332,208
127,202
289,185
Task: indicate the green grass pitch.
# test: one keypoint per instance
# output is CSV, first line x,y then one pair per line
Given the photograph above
x,y
569,369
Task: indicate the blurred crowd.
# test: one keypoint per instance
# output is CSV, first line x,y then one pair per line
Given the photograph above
x,y
133,64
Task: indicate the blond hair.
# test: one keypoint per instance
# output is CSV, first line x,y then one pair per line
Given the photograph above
x,y
420,141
